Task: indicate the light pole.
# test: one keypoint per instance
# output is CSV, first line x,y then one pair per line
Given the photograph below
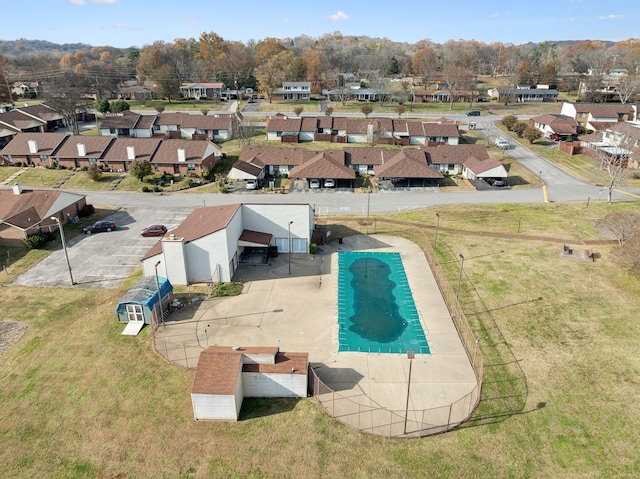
x,y
460,276
160,315
410,355
206,335
290,223
435,241
368,202
64,247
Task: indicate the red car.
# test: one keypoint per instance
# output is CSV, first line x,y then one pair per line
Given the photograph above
x,y
154,230
99,227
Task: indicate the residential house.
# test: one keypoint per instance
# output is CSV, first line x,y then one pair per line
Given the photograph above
x,y
124,151
474,168
29,89
271,160
407,168
214,127
422,133
554,124
363,160
293,90
225,375
127,123
32,149
14,121
79,151
523,94
450,159
202,91
598,116
326,165
186,157
212,241
43,112
26,212
136,92
358,94
280,127
620,140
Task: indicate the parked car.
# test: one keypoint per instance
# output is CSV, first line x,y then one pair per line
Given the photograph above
x,y
99,227
329,183
502,143
482,99
251,184
154,230
473,113
314,183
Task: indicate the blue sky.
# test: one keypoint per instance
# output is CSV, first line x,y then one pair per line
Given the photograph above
x,y
124,23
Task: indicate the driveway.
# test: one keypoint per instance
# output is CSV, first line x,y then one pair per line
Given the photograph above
x,y
103,260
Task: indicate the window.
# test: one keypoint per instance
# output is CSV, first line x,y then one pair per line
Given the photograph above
x,y
451,166
287,88
299,245
191,166
134,312
43,158
112,131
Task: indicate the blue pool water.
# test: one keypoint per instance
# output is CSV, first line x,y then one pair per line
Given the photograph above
x,y
376,312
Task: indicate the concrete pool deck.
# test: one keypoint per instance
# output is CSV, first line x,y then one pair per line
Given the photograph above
x,y
298,312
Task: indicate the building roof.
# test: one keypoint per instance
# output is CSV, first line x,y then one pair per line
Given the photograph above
x,y
479,166
282,124
441,130
95,146
256,237
219,367
274,155
324,164
32,207
41,111
21,121
201,222
143,149
46,143
406,164
363,155
454,154
195,151
124,120
215,85
603,110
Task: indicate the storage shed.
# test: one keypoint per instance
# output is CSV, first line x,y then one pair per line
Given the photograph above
x,y
226,375
140,304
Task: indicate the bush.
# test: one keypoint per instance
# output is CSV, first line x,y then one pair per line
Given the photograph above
x,y
509,121
38,240
312,248
87,210
519,128
156,188
146,189
188,182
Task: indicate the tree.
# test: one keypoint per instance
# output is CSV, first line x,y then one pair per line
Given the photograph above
x,y
614,161
509,120
140,169
119,106
628,255
366,110
204,111
5,90
212,50
168,83
400,110
622,224
628,86
103,106
457,79
328,111
68,96
519,128
94,172
531,133
159,108
297,110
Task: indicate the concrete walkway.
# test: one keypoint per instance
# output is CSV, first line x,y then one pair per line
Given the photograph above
x,y
299,313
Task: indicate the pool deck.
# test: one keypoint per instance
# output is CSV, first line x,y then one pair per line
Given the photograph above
x,y
298,312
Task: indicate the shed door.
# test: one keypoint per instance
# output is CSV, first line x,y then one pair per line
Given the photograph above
x,y
134,312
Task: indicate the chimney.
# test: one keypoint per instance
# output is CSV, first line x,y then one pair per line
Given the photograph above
x,y
131,152
82,149
17,189
33,146
182,155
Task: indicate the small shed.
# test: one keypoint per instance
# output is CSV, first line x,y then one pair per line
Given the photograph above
x,y
140,304
226,375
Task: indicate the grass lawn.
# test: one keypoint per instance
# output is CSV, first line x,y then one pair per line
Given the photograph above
x,y
559,337
41,177
7,171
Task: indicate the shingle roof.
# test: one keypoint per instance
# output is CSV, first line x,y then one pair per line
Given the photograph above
x,y
126,119
95,146
479,166
278,124
439,130
47,143
325,164
454,154
603,110
201,222
195,151
256,237
274,155
406,164
20,121
33,206
144,149
364,155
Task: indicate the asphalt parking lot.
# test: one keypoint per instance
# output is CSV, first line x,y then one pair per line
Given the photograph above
x,y
103,260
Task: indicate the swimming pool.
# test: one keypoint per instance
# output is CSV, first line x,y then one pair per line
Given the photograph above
x,y
376,312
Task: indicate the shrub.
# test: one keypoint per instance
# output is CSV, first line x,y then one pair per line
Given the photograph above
x,y
145,189
94,172
87,210
509,121
156,188
532,134
188,182
38,240
312,248
519,128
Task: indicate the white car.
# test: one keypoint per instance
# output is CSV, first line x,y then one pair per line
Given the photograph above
x,y
329,183
502,144
314,183
251,184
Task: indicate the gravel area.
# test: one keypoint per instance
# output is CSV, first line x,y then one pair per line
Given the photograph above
x,y
10,333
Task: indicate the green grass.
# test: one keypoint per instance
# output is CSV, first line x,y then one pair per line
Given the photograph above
x,y
7,171
41,177
559,338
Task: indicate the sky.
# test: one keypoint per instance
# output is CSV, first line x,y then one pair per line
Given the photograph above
x,y
136,23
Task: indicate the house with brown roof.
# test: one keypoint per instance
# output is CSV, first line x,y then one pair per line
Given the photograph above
x,y
597,116
32,149
214,127
185,157
429,133
273,160
407,168
26,212
450,159
554,124
620,140
135,92
202,91
292,90
79,151
212,241
475,168
326,165
127,123
281,127
225,375
123,151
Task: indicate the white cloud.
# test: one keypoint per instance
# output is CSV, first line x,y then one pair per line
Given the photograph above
x,y
191,21
610,17
494,15
283,20
573,19
76,2
339,15
104,1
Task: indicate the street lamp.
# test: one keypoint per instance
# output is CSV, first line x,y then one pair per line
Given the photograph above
x,y
206,335
290,223
160,315
435,241
460,276
64,247
410,355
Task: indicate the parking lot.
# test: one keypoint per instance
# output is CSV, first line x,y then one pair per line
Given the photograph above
x,y
103,260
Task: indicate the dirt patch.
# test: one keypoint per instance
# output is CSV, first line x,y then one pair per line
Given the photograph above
x,y
10,333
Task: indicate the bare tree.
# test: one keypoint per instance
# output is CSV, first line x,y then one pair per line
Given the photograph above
x,y
622,224
68,96
457,78
628,86
614,161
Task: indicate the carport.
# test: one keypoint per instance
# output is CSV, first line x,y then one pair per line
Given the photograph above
x,y
256,247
